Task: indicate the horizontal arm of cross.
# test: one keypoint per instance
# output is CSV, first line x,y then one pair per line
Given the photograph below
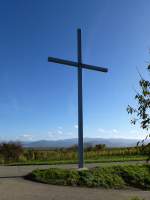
x,y
76,64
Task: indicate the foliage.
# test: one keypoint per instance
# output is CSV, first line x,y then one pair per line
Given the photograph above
x,y
134,175
65,154
141,113
143,101
87,147
11,151
57,156
100,147
90,178
107,177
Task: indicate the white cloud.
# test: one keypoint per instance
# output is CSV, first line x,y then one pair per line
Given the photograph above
x,y
115,131
60,135
60,132
101,130
75,126
108,133
138,133
25,137
50,133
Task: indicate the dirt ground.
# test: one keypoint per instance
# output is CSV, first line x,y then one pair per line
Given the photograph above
x,y
14,187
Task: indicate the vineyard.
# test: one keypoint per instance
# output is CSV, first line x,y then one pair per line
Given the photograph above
x,y
10,153
65,154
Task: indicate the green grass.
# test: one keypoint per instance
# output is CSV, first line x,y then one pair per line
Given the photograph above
x,y
119,176
102,159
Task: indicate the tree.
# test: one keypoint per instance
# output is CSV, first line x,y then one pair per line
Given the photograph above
x,y
141,114
88,146
100,146
11,151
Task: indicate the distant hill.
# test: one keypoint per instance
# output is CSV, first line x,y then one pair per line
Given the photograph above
x,y
69,142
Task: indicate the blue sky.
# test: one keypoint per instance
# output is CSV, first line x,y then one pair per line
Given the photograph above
x,y
38,100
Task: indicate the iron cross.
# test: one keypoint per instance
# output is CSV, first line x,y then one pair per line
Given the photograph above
x,y
79,66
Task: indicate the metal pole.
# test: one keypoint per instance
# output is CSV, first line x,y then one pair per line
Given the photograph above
x,y
80,106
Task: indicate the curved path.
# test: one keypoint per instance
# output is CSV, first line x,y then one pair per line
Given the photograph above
x,y
14,187
19,171
20,189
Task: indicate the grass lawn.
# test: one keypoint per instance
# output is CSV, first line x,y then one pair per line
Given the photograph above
x,y
102,159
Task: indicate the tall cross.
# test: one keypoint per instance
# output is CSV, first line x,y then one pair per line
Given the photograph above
x,y
79,66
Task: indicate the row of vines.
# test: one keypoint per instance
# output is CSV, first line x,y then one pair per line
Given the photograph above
x,y
50,155
11,152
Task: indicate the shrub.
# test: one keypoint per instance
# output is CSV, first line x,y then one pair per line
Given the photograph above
x,y
137,176
107,177
89,178
11,151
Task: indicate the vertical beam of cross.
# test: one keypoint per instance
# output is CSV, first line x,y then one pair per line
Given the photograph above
x,y
79,65
80,101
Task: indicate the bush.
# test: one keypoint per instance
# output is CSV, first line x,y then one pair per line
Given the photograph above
x,y
11,151
146,150
90,178
107,177
137,176
55,176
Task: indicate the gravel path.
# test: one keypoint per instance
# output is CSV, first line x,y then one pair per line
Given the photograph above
x,y
20,189
19,171
14,187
